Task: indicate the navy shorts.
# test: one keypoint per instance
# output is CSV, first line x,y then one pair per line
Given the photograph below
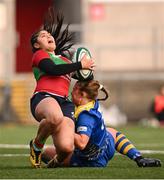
x,y
65,104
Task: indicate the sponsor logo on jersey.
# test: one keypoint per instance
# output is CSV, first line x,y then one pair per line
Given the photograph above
x,y
82,128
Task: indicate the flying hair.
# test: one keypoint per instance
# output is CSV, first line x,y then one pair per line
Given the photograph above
x,y
53,23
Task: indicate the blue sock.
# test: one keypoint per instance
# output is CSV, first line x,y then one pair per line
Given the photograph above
x,y
125,147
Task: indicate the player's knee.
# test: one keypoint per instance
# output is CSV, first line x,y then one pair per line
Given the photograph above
x,y
67,147
54,120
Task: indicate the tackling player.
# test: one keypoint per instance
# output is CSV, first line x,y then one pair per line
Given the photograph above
x,y
95,144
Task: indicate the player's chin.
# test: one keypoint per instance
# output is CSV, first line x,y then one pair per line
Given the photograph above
x,y
51,48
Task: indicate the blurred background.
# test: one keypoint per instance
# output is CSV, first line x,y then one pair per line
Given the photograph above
x,y
125,37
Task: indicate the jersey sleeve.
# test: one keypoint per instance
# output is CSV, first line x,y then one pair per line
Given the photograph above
x,y
85,124
38,56
50,68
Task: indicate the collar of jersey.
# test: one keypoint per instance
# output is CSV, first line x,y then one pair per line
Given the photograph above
x,y
86,107
54,55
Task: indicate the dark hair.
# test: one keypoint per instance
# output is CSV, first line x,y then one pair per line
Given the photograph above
x,y
34,40
53,24
92,88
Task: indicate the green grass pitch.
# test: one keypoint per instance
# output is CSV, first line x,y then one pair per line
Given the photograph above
x,y
14,162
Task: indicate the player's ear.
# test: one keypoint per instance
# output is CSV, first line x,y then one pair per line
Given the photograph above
x,y
84,94
36,45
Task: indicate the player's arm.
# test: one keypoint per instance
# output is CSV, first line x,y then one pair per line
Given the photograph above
x,y
81,140
84,127
41,59
47,66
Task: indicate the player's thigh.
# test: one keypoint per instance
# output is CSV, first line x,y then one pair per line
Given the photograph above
x,y
49,109
66,134
113,132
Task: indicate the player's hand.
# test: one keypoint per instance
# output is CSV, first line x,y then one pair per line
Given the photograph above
x,y
88,63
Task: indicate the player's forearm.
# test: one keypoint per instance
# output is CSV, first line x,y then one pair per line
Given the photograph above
x,y
80,141
50,68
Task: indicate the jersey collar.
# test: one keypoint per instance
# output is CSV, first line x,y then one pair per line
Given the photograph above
x,y
85,107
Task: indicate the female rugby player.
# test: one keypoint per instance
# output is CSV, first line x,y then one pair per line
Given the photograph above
x,y
52,71
95,144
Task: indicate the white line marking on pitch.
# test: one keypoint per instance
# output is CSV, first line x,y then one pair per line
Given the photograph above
x,y
142,151
152,151
13,155
16,146
24,146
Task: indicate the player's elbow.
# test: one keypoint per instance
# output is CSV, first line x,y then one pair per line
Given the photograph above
x,y
81,141
81,146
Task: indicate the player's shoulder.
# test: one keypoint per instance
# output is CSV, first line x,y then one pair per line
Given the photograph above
x,y
40,53
65,59
38,56
86,117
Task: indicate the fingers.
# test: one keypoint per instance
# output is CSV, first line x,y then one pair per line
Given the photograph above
x,y
88,63
92,66
84,57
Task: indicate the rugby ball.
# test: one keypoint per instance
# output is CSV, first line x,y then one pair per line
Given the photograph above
x,y
83,74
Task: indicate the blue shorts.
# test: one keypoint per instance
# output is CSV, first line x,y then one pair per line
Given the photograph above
x,y
65,104
101,161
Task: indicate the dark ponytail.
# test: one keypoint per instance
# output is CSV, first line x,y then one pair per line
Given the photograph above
x,y
53,23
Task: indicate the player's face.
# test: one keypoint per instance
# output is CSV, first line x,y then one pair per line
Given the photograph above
x,y
76,95
162,91
45,41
